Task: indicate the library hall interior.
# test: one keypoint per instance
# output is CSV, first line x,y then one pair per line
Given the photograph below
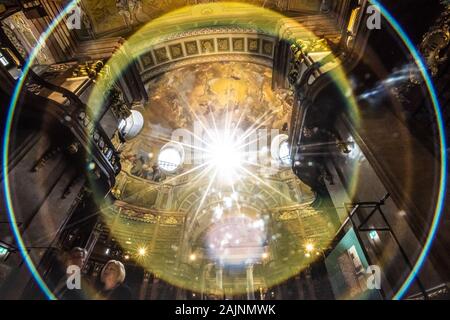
x,y
224,150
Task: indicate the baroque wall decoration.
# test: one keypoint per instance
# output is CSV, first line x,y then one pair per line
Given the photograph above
x,y
205,44
111,16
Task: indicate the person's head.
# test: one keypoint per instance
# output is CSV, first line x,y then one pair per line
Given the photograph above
x,y
77,257
113,273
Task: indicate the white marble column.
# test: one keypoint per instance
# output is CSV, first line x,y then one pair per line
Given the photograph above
x,y
250,283
219,278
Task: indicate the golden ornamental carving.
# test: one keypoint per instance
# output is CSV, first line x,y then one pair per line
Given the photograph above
x,y
435,43
302,46
170,221
288,215
116,193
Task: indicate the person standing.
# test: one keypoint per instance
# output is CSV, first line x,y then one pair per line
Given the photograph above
x,y
111,286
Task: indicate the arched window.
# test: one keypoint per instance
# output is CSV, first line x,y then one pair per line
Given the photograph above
x,y
132,126
284,153
171,157
280,150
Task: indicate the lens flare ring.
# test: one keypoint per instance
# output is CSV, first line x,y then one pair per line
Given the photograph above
x,y
443,146
6,137
71,6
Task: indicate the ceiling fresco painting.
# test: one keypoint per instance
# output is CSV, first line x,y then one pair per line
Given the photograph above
x,y
117,15
214,218
224,150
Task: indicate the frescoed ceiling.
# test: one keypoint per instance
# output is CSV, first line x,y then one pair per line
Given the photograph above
x,y
108,16
199,90
188,218
209,93
205,88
